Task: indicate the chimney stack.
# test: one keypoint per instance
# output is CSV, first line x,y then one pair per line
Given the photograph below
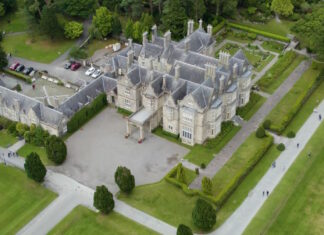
x,y
167,39
144,38
210,72
210,30
130,58
154,33
177,71
187,44
130,43
224,58
190,27
235,70
200,24
164,82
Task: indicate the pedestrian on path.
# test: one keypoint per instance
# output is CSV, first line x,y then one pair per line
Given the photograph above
x,y
263,193
320,117
309,154
267,193
297,145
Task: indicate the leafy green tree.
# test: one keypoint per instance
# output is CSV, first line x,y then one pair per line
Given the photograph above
x,y
56,149
2,9
174,18
199,9
116,25
103,21
207,185
78,8
78,53
137,31
112,5
129,29
73,30
49,24
282,7
260,133
181,175
184,230
103,200
21,128
3,58
134,8
147,22
124,179
34,167
203,215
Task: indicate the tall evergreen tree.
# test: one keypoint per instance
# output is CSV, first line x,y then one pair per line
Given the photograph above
x,y
174,18
49,24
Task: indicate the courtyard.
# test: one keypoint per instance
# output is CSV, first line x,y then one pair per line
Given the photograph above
x,y
99,147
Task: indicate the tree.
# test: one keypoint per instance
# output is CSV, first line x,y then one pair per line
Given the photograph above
x,y
124,179
56,149
21,128
112,5
207,185
103,200
78,53
137,31
181,175
2,9
49,24
116,25
73,30
199,9
79,8
34,167
3,58
103,21
147,22
174,18
260,133
184,230
129,29
134,8
282,7
203,215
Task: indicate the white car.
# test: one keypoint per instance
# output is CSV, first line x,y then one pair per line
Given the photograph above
x,y
90,71
96,74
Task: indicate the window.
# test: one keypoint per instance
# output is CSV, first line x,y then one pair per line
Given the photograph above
x,y
187,117
170,127
127,91
127,102
187,132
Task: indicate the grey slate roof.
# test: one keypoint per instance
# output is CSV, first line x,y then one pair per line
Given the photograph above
x,y
199,40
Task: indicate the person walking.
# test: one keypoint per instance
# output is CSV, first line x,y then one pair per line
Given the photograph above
x,y
297,145
263,193
267,193
320,117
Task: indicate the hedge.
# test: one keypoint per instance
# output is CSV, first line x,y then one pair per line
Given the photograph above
x,y
18,75
124,112
259,32
86,113
5,122
218,27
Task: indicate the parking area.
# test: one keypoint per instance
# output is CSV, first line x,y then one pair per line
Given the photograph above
x,y
95,151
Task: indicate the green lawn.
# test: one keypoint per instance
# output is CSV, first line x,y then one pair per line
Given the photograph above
x,y
6,139
36,48
296,205
279,72
273,46
289,105
16,21
273,26
29,148
256,101
21,199
241,159
251,180
84,221
163,201
95,45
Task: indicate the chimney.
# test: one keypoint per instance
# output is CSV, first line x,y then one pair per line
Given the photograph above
x,y
164,82
167,39
210,30
177,71
224,58
154,33
130,43
151,63
130,58
144,38
187,44
200,24
210,72
190,27
235,70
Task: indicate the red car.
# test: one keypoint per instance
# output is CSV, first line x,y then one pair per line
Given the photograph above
x,y
14,66
75,66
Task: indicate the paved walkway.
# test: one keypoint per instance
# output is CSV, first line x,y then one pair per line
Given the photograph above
x,y
71,193
240,219
225,154
15,147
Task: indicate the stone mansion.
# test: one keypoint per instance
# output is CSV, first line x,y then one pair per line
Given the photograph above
x,y
178,85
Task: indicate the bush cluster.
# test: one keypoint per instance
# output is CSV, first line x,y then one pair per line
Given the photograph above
x,y
260,133
55,149
291,134
124,179
184,230
103,200
34,167
281,147
204,215
260,32
266,124
86,113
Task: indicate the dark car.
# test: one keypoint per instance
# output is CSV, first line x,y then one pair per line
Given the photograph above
x,y
27,71
20,68
75,66
14,66
67,65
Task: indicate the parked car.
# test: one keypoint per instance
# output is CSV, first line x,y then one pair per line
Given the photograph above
x,y
68,65
96,74
75,66
20,68
14,66
90,71
32,73
27,71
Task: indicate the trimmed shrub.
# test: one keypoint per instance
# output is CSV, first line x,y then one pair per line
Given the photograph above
x,y
34,167
21,128
86,113
266,124
181,176
202,165
184,230
204,215
103,200
260,32
281,147
36,135
260,133
218,27
197,170
124,179
56,149
207,185
291,134
12,129
20,76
